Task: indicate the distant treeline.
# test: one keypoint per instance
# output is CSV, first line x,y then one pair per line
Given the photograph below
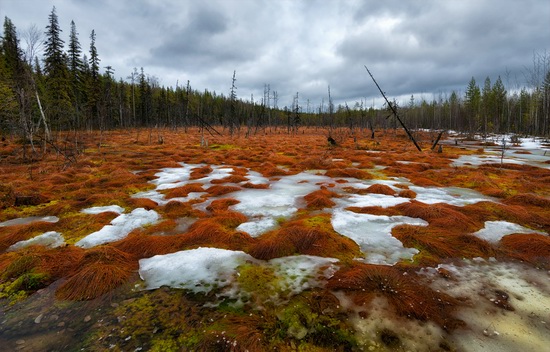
x,y
66,91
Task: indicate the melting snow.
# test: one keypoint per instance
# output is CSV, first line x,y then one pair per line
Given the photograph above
x,y
495,230
205,269
373,235
198,270
31,219
119,228
97,210
50,239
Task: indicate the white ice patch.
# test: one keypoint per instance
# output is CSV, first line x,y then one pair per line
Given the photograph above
x,y
50,239
495,230
281,200
29,220
119,228
372,199
198,270
97,210
258,227
373,235
302,272
450,195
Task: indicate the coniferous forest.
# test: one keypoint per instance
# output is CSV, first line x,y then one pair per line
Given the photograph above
x,y
69,88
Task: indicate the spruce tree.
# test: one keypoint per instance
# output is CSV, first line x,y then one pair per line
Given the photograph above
x,y
75,70
57,74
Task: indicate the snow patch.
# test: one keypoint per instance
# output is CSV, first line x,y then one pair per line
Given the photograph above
x,y
97,210
50,239
495,230
119,228
373,235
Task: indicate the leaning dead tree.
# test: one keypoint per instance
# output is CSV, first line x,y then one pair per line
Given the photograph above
x,y
394,111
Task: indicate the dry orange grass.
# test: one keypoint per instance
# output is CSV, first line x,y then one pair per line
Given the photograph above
x,y
200,172
144,246
101,270
381,189
530,248
320,199
404,293
10,235
220,190
439,214
183,191
374,210
349,172
223,204
407,193
438,244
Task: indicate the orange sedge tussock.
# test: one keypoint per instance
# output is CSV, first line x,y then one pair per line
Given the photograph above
x,y
221,204
145,246
200,172
210,233
183,191
407,193
101,270
404,293
349,172
10,235
230,179
374,210
378,188
269,247
229,219
268,169
145,203
174,210
437,244
530,248
219,190
527,199
439,214
320,199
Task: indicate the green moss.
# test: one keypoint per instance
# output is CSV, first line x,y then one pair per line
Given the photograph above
x,y
223,147
19,288
258,280
315,327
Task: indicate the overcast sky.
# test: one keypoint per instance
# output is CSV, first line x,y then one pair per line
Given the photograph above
x,y
420,47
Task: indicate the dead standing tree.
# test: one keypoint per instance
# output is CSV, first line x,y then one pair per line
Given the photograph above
x,y
394,111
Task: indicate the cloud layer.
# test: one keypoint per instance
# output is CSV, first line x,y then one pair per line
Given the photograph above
x,y
414,47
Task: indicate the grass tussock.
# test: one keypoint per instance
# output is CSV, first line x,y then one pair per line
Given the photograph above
x,y
175,210
320,199
439,214
311,235
183,191
100,271
200,172
140,245
405,293
436,244
349,172
220,190
374,210
223,204
378,188
530,248
10,235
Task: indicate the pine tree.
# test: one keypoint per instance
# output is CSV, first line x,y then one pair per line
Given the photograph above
x,y
472,100
11,78
93,84
57,74
75,69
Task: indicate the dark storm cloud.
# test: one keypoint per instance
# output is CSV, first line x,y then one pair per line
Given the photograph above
x,y
415,47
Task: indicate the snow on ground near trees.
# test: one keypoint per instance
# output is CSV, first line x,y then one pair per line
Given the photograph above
x,y
495,230
202,270
50,239
119,228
